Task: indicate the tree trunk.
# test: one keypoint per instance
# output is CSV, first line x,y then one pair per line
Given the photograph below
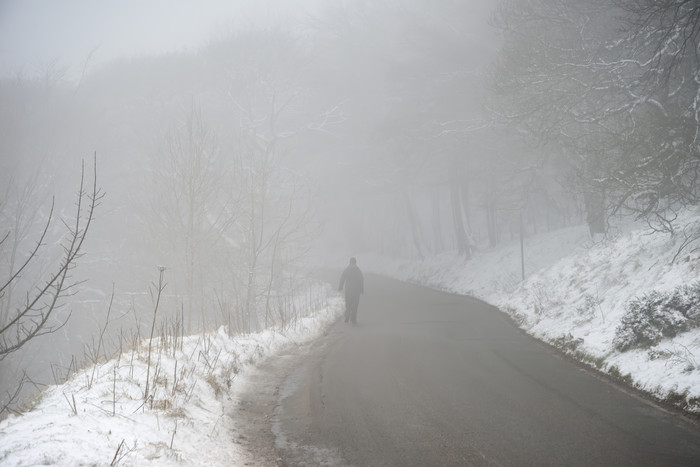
x,y
438,245
458,222
595,212
464,191
414,223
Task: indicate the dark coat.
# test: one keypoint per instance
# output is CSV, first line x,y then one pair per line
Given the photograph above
x,y
353,281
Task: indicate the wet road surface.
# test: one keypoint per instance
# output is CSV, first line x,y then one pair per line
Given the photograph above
x,y
427,378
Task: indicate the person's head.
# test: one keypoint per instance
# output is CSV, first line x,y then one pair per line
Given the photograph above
x,y
353,261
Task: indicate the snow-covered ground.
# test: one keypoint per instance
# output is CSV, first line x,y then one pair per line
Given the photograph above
x,y
574,296
99,416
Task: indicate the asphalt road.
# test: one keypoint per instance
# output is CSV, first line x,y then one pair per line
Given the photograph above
x,y
433,379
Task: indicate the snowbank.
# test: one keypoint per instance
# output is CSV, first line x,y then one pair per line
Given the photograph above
x,y
99,416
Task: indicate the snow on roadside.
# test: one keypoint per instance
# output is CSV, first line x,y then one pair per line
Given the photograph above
x,y
101,419
574,296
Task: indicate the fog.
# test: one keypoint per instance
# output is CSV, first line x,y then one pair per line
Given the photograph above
x,y
80,34
237,145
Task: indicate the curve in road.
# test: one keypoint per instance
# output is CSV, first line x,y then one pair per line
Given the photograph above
x,y
428,378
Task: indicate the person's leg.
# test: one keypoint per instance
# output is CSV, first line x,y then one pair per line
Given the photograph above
x,y
353,308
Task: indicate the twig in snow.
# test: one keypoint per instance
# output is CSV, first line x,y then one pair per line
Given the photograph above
x,y
214,427
99,342
114,392
121,453
161,286
173,438
189,393
73,406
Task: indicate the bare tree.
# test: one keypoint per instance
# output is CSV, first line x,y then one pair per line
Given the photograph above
x,y
31,317
269,111
276,217
190,207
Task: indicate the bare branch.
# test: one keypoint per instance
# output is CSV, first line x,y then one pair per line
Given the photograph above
x,y
31,319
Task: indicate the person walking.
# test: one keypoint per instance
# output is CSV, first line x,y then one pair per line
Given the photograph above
x,y
354,285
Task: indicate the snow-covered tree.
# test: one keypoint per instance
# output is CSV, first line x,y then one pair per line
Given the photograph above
x,y
616,84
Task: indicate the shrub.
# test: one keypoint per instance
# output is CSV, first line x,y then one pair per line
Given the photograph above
x,y
686,299
656,315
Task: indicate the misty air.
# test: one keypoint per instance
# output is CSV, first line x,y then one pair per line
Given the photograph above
x,y
334,232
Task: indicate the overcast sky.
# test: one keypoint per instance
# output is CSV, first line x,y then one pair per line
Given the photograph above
x,y
37,33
